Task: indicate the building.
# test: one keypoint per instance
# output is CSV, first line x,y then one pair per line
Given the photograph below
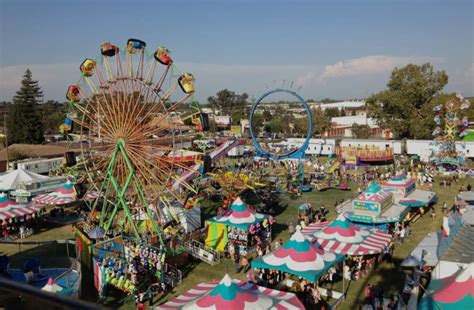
x,y
358,106
342,127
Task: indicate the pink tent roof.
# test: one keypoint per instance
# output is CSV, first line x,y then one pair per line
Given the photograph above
x,y
343,237
453,292
231,294
63,195
374,193
11,209
401,180
299,257
239,215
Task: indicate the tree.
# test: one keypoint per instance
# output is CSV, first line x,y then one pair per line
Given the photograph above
x,y
228,101
405,107
267,115
343,112
24,120
52,115
321,122
360,131
332,112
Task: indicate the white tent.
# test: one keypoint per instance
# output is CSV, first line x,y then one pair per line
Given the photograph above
x,y
10,179
52,287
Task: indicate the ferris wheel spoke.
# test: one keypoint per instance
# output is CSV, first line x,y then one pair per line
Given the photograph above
x,y
162,79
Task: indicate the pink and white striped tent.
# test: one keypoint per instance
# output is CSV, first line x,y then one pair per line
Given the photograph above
x,y
229,294
10,209
343,237
61,196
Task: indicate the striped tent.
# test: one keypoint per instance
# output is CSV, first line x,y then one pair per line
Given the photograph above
x,y
231,294
374,193
10,209
299,257
239,215
343,237
61,196
453,292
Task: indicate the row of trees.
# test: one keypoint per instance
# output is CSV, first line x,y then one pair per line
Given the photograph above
x,y
405,108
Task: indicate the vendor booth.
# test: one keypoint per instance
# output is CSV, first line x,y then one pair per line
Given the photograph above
x,y
405,193
239,227
374,207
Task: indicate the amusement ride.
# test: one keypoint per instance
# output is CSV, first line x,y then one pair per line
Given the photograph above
x,y
124,106
450,127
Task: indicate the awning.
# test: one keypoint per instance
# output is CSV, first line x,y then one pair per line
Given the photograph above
x,y
342,237
10,209
418,198
467,196
426,252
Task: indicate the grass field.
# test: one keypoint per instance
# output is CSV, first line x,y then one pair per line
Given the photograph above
x,y
390,276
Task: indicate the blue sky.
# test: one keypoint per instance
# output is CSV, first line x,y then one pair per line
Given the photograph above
x,y
337,49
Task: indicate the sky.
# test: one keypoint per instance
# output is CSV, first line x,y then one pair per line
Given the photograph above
x,y
325,49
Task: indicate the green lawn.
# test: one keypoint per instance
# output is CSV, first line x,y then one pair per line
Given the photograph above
x,y
391,276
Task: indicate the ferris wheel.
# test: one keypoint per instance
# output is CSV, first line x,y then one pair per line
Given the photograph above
x,y
125,108
449,128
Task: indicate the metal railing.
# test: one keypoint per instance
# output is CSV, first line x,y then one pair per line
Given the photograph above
x,y
203,252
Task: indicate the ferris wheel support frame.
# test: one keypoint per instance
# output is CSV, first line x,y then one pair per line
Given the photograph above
x,y
121,199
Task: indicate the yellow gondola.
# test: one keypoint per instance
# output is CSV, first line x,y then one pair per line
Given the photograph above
x,y
87,67
186,82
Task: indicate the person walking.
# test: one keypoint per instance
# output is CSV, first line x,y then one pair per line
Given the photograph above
x,y
402,235
22,232
244,264
236,263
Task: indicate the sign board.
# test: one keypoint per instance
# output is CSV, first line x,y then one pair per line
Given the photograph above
x,y
367,206
223,120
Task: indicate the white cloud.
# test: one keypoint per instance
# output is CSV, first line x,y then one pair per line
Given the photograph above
x,y
369,65
363,66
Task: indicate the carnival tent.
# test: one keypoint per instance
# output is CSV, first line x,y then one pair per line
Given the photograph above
x,y
10,209
343,237
452,292
9,180
52,287
231,294
299,257
63,195
239,215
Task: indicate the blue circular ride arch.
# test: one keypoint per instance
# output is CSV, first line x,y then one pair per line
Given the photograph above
x,y
297,153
